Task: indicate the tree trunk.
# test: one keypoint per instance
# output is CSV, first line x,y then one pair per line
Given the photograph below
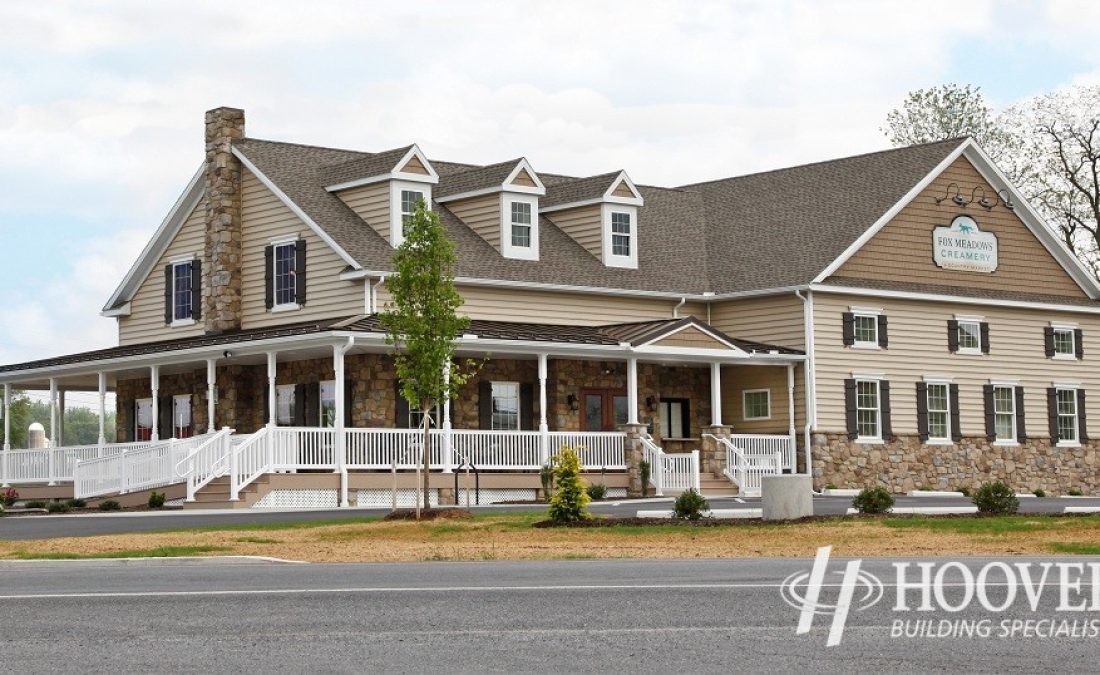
x,y
426,456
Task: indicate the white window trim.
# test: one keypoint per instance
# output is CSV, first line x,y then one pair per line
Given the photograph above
x,y
971,351
519,403
276,244
946,440
1015,440
180,323
506,248
870,440
397,236
609,259
1065,328
1076,443
863,344
745,406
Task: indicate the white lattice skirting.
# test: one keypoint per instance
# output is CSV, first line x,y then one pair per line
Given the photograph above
x,y
496,495
383,498
299,499
616,493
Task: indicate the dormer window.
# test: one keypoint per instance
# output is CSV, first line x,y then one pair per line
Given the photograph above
x,y
404,196
409,200
620,233
521,224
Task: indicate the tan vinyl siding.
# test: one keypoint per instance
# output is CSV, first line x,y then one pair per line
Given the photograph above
x,y
565,309
623,190
692,338
902,250
482,214
372,204
523,178
774,320
146,320
414,165
584,225
264,218
918,348
737,379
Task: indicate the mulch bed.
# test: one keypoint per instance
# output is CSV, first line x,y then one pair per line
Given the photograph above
x,y
756,522
430,514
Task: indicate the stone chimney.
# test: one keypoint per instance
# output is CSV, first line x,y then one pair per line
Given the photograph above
x,y
222,274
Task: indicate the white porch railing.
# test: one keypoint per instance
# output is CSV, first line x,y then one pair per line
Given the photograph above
x,y
134,469
294,448
670,471
499,450
54,465
380,449
208,461
597,449
747,469
759,445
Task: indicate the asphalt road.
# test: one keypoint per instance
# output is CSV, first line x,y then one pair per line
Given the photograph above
x,y
42,527
560,616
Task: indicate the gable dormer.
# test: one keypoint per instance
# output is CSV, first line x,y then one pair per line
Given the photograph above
x,y
383,188
600,213
499,202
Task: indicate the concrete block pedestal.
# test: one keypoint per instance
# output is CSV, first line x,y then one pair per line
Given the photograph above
x,y
787,497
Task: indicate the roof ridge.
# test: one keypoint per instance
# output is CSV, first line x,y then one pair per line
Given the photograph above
x,y
314,147
954,141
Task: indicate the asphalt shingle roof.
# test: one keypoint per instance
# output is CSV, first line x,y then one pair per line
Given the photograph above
x,y
479,178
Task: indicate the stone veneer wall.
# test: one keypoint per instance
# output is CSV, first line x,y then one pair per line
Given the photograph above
x,y
908,464
222,275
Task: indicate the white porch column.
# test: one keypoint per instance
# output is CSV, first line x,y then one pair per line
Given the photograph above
x,y
102,409
544,428
716,394
448,437
53,414
7,418
632,390
272,395
154,386
211,394
60,417
790,398
338,423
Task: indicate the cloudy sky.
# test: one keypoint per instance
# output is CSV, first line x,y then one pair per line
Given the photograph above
x,y
101,103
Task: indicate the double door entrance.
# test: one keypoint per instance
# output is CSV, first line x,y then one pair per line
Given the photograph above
x,y
604,409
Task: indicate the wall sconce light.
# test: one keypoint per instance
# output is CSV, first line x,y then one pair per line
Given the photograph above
x,y
957,198
651,403
985,202
574,404
1006,199
227,354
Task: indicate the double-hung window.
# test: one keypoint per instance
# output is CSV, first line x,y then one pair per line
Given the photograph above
x,y
868,410
181,291
284,405
1064,343
939,412
620,233
756,404
505,406
865,328
521,224
1068,424
284,277
328,404
1004,413
970,337
143,419
409,200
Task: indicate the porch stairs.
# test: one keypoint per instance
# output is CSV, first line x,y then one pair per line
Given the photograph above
x,y
215,494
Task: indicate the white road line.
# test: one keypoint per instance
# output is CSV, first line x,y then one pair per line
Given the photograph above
x,y
1081,509
428,589
739,500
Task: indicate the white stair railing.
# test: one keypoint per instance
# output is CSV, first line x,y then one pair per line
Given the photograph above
x,y
671,471
747,470
206,462
766,445
55,465
249,460
133,469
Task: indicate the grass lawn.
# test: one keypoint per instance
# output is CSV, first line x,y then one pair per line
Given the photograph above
x,y
512,537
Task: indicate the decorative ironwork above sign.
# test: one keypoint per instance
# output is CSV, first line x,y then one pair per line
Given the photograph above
x,y
963,246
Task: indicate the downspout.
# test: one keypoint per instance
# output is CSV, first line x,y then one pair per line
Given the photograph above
x,y
374,293
811,380
343,442
676,309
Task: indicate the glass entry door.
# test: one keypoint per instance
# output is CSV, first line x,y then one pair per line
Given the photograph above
x,y
604,409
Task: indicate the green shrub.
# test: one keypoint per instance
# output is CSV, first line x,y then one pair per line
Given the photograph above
x,y
58,507
1040,493
644,470
109,505
34,504
1074,492
964,491
996,498
156,500
873,500
831,486
9,497
570,500
77,503
690,505
596,491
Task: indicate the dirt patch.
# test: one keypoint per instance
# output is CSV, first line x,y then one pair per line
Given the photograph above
x,y
429,514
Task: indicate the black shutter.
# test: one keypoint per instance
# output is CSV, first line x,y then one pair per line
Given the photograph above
x,y
269,276
299,405
883,335
130,434
884,410
300,271
1079,343
983,329
485,405
685,419
168,294
1052,414
196,289
313,404
952,335
849,329
526,406
922,410
956,423
267,405
400,407
1048,341
164,418
1082,422
850,408
349,403
990,417
1021,428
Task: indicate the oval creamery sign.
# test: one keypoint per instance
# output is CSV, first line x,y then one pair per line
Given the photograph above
x,y
963,246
